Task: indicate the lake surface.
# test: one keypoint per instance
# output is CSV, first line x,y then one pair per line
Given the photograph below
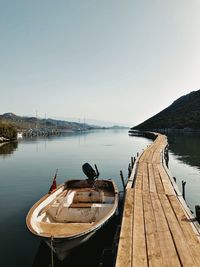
x,y
27,169
184,164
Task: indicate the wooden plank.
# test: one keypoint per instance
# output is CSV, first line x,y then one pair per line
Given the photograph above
x,y
138,179
138,182
152,237
168,250
142,156
158,181
190,233
124,254
177,233
139,240
150,155
156,157
169,190
146,155
140,169
145,178
152,184
161,221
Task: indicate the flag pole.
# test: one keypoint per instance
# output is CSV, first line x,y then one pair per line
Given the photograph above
x,y
53,185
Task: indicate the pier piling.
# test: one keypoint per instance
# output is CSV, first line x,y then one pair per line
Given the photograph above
x,y
197,210
123,181
183,189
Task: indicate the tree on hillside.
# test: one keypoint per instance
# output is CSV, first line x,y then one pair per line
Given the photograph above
x,y
7,130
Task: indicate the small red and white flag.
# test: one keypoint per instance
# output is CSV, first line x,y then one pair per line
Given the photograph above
x,y
53,186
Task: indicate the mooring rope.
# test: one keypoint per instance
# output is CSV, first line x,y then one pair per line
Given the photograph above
x,y
52,263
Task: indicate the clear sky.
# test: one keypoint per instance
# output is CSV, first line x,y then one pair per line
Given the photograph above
x,y
114,60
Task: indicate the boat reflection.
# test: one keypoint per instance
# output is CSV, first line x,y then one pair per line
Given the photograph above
x,y
89,254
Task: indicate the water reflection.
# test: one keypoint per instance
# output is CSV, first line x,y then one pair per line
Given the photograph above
x,y
184,164
8,148
88,254
186,147
26,176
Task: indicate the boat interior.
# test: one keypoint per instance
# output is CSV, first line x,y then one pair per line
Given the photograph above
x,y
79,203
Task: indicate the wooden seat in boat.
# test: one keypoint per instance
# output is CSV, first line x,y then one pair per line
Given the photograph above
x,y
63,229
89,205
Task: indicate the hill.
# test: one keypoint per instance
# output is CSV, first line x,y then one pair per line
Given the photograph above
x,y
184,113
25,123
7,131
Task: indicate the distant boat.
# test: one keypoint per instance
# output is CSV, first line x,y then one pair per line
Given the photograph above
x,y
19,135
72,213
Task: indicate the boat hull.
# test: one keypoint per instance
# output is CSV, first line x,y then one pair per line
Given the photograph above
x,y
63,247
73,222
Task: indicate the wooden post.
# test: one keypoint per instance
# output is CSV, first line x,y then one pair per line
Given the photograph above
x,y
183,189
129,170
166,156
122,178
197,210
132,162
167,159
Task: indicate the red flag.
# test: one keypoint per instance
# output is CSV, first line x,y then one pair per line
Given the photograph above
x,y
53,186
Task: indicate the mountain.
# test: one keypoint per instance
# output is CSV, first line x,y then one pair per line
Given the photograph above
x,y
184,113
107,124
24,123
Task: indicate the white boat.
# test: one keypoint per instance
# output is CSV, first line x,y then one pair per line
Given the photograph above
x,y
72,213
19,135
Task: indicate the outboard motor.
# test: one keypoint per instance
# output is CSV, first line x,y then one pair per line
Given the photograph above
x,y
90,172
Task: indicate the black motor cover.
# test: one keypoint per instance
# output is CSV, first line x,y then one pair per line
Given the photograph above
x,y
89,171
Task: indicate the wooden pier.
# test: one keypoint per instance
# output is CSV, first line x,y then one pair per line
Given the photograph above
x,y
158,229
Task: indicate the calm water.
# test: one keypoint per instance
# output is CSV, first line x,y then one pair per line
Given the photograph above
x,y
184,164
27,169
